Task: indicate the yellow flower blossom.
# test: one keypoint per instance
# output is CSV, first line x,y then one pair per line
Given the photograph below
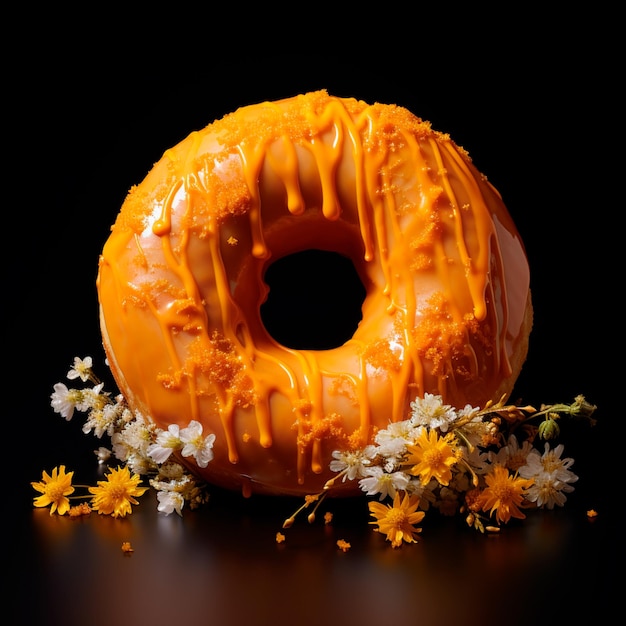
x,y
127,548
397,521
280,537
54,490
431,456
115,495
503,494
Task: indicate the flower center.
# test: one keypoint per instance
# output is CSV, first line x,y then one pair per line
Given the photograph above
x,y
396,518
54,492
504,493
516,461
117,493
433,457
550,464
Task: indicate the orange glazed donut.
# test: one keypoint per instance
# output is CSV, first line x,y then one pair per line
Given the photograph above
x,y
447,308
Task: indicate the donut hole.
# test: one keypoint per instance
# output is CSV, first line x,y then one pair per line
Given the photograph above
x,y
314,300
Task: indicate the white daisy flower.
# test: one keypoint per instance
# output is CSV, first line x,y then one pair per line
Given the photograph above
x,y
380,482
81,369
352,463
548,491
477,459
95,421
201,448
65,400
392,440
91,399
170,501
512,456
172,471
549,462
430,411
167,441
139,464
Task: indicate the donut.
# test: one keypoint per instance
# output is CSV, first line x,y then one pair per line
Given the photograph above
x,y
181,285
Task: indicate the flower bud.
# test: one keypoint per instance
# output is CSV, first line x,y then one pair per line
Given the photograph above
x,y
582,408
549,429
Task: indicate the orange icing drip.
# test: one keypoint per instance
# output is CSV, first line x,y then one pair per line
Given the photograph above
x,y
205,219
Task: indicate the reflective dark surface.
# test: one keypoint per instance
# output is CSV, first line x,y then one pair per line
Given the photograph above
x,y
222,565
94,115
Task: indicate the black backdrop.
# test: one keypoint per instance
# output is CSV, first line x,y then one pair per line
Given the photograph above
x,y
97,103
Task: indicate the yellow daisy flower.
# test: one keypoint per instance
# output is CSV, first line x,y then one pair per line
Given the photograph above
x,y
115,495
503,494
432,456
397,521
54,490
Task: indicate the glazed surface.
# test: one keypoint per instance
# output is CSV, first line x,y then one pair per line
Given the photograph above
x,y
447,307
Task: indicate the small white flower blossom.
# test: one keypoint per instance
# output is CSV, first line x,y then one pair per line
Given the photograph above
x,y
140,464
167,441
475,429
370,452
127,415
549,462
101,421
92,399
96,421
391,464
172,471
548,491
81,369
380,482
65,401
134,438
477,459
477,432
176,491
103,454
121,450
467,411
352,463
113,412
430,411
170,501
512,456
392,440
201,448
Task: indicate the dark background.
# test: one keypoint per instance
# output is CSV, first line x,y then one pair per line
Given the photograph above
x,y
94,101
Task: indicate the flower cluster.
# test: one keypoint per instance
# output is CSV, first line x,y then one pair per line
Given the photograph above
x,y
113,496
489,464
144,449
467,461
